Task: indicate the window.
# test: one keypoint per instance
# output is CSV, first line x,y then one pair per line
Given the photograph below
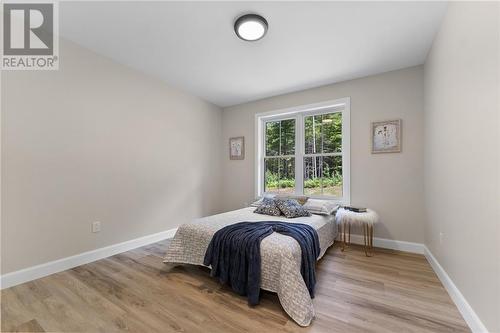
x,y
279,159
305,151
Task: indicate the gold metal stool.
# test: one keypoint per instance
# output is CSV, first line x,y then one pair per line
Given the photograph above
x,y
345,218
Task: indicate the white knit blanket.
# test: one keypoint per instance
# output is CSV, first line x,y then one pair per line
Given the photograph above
x,y
353,218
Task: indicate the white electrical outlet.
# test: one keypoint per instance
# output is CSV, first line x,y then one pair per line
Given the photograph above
x,y
441,236
96,226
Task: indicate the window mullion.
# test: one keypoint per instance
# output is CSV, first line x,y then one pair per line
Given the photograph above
x,y
280,143
282,156
299,154
280,160
321,174
262,173
322,154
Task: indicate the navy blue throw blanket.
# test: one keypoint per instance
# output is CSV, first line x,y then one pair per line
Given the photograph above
x,y
234,253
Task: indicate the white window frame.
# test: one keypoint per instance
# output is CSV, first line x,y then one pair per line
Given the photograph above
x,y
298,113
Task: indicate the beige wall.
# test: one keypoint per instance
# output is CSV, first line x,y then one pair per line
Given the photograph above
x,y
96,141
392,184
462,154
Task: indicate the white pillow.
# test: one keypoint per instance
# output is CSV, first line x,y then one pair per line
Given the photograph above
x,y
301,199
321,207
258,202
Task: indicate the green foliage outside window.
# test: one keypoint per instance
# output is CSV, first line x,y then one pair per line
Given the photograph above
x,y
322,174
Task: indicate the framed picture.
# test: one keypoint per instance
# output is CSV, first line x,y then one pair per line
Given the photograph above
x,y
237,148
386,136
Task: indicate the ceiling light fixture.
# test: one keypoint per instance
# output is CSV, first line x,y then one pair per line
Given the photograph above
x,y
250,27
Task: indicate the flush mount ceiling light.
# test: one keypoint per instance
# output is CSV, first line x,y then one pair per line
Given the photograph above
x,y
250,27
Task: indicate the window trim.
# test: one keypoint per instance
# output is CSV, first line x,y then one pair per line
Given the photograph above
x,y
298,113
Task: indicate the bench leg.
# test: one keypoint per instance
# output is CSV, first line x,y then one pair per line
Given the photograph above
x,y
345,235
342,235
368,239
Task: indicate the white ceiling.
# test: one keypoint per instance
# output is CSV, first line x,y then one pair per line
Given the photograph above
x,y
192,45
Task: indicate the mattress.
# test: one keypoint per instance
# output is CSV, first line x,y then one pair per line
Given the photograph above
x,y
280,254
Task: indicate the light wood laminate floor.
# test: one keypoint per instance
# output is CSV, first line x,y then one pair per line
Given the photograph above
x,y
134,291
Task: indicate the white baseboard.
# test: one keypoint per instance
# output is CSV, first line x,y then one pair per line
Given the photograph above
x,y
36,272
471,318
390,244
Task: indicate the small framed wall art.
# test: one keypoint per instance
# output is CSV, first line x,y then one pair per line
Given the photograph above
x,y
386,136
237,148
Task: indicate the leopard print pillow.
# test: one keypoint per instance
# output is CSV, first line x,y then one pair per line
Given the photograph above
x,y
291,208
268,207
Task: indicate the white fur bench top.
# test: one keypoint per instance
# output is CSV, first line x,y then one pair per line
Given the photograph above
x,y
353,218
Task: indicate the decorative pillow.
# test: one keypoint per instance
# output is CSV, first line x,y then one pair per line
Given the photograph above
x,y
321,207
291,208
302,199
268,207
259,201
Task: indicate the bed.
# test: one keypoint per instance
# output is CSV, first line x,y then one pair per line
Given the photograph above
x,y
281,255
